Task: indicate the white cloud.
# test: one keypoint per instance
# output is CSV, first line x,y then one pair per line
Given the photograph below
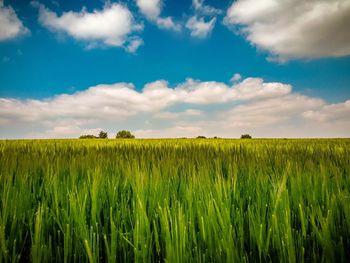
x,y
112,26
200,7
168,23
294,29
10,25
202,23
199,28
189,109
151,9
330,113
193,112
176,115
236,77
121,100
134,44
216,92
271,111
65,131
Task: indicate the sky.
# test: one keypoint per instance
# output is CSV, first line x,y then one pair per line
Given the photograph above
x,y
166,68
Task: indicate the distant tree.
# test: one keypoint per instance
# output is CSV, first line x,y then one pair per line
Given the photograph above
x,y
87,136
124,135
103,135
201,137
246,136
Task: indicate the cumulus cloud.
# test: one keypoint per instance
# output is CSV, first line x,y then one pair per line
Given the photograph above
x,y
199,27
210,92
111,26
294,29
10,25
122,100
151,9
206,107
271,111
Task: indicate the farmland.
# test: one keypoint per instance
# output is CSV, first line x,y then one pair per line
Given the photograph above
x,y
175,200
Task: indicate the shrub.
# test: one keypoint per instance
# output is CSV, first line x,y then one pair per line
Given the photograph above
x,y
246,136
124,135
201,137
103,135
87,136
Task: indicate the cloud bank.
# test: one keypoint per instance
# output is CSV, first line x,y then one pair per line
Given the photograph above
x,y
294,28
210,108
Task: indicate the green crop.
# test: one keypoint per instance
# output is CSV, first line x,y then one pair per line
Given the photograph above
x,y
175,200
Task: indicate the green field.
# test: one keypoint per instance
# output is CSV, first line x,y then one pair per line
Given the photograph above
x,y
185,200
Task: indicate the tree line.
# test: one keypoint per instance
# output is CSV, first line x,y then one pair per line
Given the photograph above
x,y
124,134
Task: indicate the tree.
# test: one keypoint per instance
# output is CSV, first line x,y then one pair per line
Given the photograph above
x,y
124,135
103,135
201,137
246,136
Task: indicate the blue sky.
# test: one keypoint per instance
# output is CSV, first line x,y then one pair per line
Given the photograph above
x,y
50,48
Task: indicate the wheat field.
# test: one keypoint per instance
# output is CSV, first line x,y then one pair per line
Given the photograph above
x,y
175,200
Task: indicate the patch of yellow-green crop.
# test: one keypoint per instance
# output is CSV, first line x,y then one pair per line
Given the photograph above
x,y
175,200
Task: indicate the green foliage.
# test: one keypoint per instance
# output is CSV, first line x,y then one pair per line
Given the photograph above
x,y
201,137
88,136
124,135
103,135
175,200
246,136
